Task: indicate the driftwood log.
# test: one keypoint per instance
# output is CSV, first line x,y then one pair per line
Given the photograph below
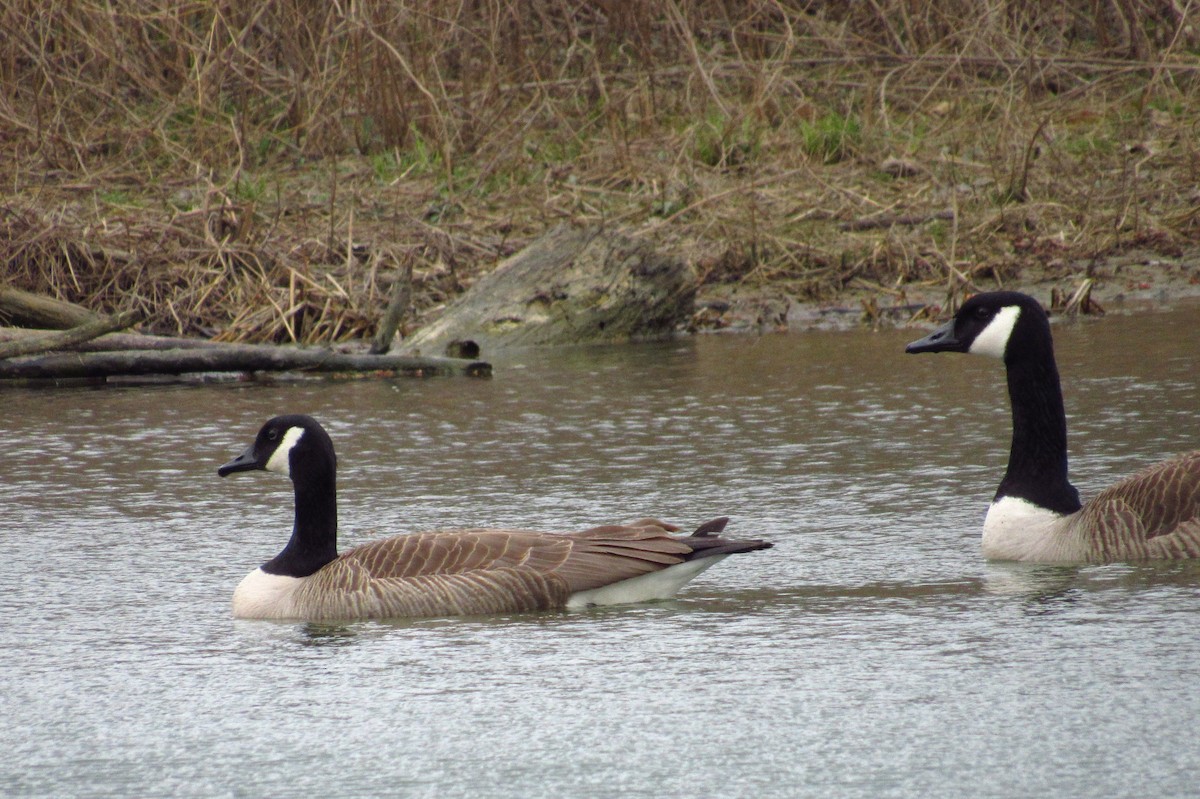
x,y
66,339
572,286
90,349
228,358
33,310
891,220
109,341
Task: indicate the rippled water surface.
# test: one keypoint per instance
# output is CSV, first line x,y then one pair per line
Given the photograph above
x,y
872,653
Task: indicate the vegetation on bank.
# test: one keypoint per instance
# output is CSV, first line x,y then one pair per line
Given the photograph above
x,y
266,171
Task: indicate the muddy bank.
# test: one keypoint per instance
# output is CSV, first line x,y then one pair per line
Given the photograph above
x,y
1135,281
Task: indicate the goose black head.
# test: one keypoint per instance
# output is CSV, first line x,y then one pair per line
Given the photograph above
x,y
285,444
997,323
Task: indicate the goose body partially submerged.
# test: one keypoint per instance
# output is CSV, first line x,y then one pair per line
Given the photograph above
x,y
450,572
1036,514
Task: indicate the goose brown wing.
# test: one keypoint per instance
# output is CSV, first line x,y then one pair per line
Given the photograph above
x,y
1152,514
593,557
475,572
1163,496
460,567
458,551
345,588
604,555
481,571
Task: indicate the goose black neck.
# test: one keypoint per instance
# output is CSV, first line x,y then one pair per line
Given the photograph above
x,y
314,534
1037,461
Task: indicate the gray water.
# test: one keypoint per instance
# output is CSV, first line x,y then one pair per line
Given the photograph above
x,y
871,653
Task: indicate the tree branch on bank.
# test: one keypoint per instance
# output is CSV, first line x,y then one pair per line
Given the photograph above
x,y
891,220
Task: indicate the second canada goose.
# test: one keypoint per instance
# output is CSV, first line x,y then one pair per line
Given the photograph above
x,y
449,572
1036,514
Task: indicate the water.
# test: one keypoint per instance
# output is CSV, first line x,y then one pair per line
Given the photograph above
x,y
872,653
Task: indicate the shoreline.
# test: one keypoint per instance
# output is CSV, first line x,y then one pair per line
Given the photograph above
x,y
1134,282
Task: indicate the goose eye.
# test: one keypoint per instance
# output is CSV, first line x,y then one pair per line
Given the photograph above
x,y
983,312
272,434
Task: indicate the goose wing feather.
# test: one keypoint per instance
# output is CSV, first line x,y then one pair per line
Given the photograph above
x,y
345,589
458,551
605,555
482,571
1152,514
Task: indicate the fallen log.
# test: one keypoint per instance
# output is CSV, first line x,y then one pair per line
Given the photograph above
x,y
229,358
33,310
68,338
114,341
572,286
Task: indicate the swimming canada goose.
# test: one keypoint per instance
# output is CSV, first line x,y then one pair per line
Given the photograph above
x,y
450,572
1036,514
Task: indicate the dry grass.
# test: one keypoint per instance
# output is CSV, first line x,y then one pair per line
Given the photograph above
x,y
264,171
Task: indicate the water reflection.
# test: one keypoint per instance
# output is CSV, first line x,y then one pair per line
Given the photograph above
x,y
327,634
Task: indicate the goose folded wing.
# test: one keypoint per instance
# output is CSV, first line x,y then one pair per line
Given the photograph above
x,y
492,570
1163,496
345,589
458,551
605,555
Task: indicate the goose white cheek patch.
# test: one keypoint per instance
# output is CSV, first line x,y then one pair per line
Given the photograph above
x,y
279,460
994,338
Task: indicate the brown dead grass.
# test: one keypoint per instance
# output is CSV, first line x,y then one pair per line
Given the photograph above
x,y
264,171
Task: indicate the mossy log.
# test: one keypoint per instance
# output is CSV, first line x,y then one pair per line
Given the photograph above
x,y
572,286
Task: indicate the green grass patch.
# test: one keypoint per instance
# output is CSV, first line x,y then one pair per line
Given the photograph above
x,y
723,142
1086,144
831,138
118,197
250,188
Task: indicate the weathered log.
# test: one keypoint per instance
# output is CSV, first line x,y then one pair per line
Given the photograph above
x,y
67,338
230,358
33,310
572,286
115,341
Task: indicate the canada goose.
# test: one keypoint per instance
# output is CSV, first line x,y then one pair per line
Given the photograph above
x,y
449,572
1036,514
